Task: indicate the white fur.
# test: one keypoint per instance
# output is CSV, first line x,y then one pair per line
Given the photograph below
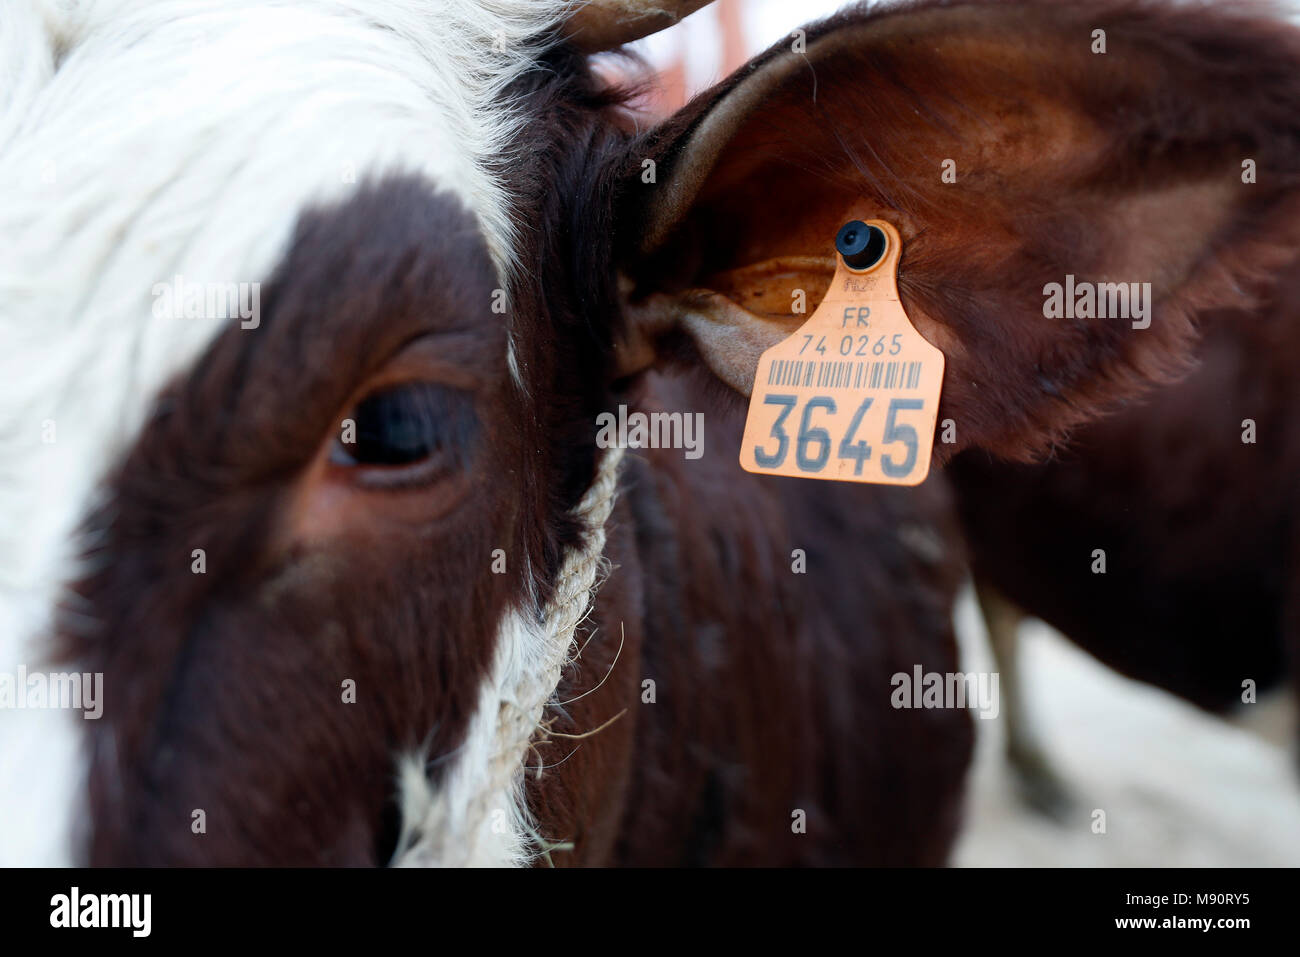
x,y
141,139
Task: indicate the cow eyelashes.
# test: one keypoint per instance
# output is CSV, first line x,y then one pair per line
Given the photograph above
x,y
406,432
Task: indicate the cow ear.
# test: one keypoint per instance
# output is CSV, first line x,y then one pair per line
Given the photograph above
x,y
1013,146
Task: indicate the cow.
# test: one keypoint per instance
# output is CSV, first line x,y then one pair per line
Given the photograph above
x,y
1191,496
361,583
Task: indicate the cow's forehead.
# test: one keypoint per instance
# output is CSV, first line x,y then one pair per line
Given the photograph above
x,y
144,144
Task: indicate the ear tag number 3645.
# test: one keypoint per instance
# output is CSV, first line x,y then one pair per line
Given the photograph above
x,y
853,395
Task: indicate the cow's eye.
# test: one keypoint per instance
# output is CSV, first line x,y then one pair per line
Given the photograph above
x,y
404,426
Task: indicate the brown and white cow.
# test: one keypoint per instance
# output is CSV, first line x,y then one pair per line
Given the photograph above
x,y
381,646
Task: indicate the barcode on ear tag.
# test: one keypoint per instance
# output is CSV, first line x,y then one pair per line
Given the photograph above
x,y
853,395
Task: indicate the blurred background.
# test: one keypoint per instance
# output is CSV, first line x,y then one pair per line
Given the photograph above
x,y
1178,787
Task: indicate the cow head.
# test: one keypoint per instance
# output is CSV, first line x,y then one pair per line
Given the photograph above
x,y
329,552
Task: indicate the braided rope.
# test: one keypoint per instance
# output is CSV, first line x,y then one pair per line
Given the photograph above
x,y
521,708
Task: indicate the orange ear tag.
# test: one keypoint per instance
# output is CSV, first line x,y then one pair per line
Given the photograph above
x,y
853,395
